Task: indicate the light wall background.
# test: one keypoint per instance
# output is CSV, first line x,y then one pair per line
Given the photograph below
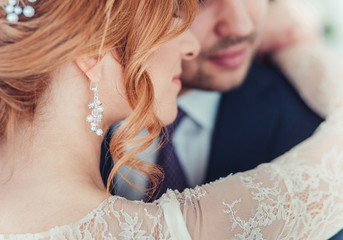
x,y
331,12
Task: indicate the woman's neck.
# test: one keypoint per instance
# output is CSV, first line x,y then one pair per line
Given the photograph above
x,y
58,142
51,166
56,172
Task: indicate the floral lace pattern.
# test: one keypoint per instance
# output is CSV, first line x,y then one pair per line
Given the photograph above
x,y
109,222
302,207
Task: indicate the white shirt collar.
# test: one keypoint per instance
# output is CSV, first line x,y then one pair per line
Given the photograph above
x,y
201,106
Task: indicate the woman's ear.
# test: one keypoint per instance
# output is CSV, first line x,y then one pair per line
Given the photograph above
x,y
91,67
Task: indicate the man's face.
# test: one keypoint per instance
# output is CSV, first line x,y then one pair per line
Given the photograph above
x,y
229,34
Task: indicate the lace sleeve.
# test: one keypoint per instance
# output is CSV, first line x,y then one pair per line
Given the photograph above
x,y
297,196
286,199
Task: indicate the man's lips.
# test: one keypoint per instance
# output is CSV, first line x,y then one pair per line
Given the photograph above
x,y
230,59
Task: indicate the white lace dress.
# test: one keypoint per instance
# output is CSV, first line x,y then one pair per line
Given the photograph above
x,y
297,196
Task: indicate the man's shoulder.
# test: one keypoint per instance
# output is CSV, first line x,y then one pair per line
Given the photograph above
x,y
264,81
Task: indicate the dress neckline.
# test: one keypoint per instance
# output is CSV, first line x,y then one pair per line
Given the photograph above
x,y
92,214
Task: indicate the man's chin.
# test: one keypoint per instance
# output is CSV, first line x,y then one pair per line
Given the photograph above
x,y
214,84
224,85
214,78
224,81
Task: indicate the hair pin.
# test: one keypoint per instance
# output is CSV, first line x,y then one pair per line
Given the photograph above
x,y
14,8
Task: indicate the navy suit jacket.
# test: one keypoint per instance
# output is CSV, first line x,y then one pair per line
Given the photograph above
x,y
258,122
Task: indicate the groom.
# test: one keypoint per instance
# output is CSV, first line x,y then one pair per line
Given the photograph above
x,y
257,116
251,116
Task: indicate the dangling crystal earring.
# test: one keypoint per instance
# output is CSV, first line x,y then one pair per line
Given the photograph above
x,y
97,112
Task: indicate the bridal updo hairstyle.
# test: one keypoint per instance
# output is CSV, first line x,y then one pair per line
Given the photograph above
x,y
61,31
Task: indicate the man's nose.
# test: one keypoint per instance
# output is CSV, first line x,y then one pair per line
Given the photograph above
x,y
234,19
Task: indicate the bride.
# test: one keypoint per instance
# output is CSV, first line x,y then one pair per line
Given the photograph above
x,y
69,69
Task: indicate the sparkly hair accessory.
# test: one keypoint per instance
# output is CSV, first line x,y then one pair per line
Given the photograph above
x,y
14,8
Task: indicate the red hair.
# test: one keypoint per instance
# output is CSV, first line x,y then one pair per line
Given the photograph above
x,y
62,31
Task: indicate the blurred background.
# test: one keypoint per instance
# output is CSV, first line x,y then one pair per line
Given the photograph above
x,y
294,20
331,14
